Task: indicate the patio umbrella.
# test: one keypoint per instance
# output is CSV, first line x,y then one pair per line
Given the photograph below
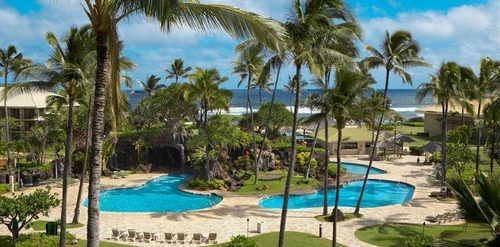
x,y
385,144
431,147
402,138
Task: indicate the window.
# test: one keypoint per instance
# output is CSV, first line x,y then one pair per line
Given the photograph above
x,y
29,114
349,145
14,113
28,125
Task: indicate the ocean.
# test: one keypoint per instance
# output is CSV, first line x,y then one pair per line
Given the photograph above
x,y
403,100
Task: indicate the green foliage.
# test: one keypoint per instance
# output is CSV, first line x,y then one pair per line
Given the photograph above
x,y
418,240
140,145
142,133
242,241
414,150
4,188
303,158
332,170
413,124
461,135
201,184
18,211
416,119
280,117
34,166
459,156
42,240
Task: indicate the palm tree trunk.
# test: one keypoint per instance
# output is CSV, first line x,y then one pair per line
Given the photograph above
x,y
207,148
374,149
284,211
66,171
260,96
444,136
76,216
311,153
266,132
478,137
463,116
252,128
102,79
492,156
337,185
327,152
6,119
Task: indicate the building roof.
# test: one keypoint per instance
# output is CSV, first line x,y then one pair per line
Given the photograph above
x,y
31,99
453,108
349,134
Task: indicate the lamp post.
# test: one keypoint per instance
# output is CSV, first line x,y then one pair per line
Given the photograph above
x,y
248,225
320,230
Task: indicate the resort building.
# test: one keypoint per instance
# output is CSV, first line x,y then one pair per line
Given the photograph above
x,y
355,140
433,116
27,107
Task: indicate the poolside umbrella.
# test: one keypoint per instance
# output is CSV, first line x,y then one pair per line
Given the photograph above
x,y
385,144
402,138
431,147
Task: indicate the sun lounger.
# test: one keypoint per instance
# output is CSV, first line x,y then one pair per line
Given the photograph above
x,y
169,238
198,238
116,234
181,238
132,235
148,237
212,238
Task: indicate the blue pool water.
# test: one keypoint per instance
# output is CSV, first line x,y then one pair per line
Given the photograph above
x,y
378,193
361,169
158,195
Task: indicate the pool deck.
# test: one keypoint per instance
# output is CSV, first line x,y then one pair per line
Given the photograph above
x,y
229,217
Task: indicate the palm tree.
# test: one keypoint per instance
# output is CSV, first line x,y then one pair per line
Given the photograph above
x,y
483,84
248,64
151,84
312,101
349,88
443,86
399,52
10,61
104,15
479,204
492,120
64,71
177,70
205,89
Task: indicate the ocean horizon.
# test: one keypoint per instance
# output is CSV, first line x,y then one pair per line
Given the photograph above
x,y
403,100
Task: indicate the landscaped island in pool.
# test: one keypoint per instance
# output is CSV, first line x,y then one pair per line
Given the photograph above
x,y
378,193
159,195
361,169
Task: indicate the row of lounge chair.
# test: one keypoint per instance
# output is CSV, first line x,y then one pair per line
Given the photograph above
x,y
167,237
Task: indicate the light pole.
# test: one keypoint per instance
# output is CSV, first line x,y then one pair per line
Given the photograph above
x,y
248,226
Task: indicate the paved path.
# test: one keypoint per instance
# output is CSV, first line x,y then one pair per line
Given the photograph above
x,y
229,217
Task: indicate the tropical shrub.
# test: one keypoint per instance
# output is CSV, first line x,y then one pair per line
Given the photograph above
x,y
418,240
280,117
242,241
416,119
413,124
332,170
303,158
42,240
4,188
201,184
459,156
414,150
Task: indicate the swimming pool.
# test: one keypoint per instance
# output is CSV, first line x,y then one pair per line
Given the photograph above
x,y
159,195
361,169
378,193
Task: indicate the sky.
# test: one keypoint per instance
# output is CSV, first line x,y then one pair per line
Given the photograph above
x,y
458,30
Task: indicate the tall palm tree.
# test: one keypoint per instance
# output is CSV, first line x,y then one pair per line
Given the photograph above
x,y
492,120
399,52
177,70
350,86
481,203
205,89
64,71
151,84
104,15
10,62
248,64
312,101
483,85
308,21
443,86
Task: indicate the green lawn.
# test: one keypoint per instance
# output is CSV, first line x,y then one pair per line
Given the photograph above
x,y
292,239
276,187
39,225
348,134
393,234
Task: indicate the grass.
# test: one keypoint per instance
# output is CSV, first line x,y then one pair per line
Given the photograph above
x,y
327,218
292,239
349,134
393,234
39,225
276,187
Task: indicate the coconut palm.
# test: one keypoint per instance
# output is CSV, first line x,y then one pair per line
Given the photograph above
x,y
492,121
205,89
10,62
151,84
443,86
312,101
399,52
248,64
64,70
104,15
483,85
177,70
481,203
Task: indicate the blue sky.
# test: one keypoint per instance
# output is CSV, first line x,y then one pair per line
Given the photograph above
x,y
459,30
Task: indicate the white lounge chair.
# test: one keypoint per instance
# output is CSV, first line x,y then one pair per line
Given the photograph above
x,y
132,235
212,238
198,239
169,238
147,237
181,238
116,234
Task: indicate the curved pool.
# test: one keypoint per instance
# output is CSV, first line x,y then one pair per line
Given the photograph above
x,y
361,169
159,195
378,193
